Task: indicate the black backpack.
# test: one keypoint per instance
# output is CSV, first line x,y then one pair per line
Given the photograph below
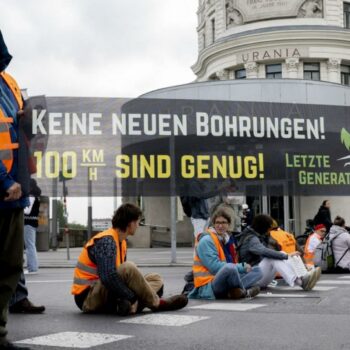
x,y
186,205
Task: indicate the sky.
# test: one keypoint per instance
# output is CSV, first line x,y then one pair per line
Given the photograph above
x,y
99,48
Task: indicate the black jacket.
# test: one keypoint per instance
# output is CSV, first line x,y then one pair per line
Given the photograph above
x,y
253,247
323,217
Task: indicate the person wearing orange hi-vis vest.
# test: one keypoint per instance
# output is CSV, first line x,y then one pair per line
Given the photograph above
x,y
216,272
104,282
14,186
312,242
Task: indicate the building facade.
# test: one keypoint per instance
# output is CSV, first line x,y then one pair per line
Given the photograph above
x,y
273,39
281,51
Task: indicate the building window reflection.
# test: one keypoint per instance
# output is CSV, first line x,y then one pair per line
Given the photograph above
x,y
345,74
346,15
311,71
274,71
240,74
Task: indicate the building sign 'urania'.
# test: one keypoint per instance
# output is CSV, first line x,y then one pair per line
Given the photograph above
x,y
270,54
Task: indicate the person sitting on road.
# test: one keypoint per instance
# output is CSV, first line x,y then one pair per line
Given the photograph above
x,y
285,240
105,282
312,242
341,245
253,249
216,272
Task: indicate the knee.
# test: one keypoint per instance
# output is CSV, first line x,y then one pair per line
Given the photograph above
x,y
257,270
231,269
127,266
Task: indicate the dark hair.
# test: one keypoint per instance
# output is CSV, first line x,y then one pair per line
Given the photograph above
x,y
261,223
324,202
34,188
125,214
339,221
221,212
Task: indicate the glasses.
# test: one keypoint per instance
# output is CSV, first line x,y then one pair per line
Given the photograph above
x,y
220,223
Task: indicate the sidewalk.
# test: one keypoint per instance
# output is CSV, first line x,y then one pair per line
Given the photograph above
x,y
140,256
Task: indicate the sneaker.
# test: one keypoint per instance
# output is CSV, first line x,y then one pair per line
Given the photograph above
x,y
32,272
273,284
252,292
7,346
175,302
236,293
123,307
25,306
318,273
309,280
3,332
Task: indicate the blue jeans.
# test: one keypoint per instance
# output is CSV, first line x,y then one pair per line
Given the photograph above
x,y
21,291
30,243
228,277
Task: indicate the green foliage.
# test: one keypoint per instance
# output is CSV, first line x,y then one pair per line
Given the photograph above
x,y
345,138
76,226
60,215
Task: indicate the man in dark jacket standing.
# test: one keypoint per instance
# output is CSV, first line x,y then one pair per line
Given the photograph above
x,y
323,215
13,186
253,249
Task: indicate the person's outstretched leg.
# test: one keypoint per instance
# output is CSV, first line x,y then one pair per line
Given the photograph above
x,y
251,278
30,244
227,278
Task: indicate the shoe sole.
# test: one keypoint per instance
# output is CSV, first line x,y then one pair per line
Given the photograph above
x,y
312,281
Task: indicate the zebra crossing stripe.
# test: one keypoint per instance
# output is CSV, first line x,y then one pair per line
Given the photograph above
x,y
334,282
286,295
73,340
165,320
299,290
229,306
345,277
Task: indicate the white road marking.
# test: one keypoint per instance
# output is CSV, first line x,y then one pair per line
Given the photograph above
x,y
165,320
345,277
286,295
333,282
299,290
50,281
228,306
74,339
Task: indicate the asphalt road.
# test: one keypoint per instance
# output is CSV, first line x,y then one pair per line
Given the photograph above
x,y
280,318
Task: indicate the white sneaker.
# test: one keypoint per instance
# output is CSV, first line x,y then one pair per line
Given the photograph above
x,y
25,271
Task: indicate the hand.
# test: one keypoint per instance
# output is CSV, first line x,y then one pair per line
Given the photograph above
x,y
133,308
248,267
294,254
14,192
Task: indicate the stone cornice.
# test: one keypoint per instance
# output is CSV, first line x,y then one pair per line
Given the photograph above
x,y
336,37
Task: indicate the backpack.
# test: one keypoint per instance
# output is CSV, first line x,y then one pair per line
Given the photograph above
x,y
324,255
186,205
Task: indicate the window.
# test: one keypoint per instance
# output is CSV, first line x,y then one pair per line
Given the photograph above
x,y
345,74
346,15
274,71
240,74
311,71
213,30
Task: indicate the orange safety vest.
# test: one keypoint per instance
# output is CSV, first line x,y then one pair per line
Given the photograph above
x,y
285,239
85,272
308,255
201,274
6,144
